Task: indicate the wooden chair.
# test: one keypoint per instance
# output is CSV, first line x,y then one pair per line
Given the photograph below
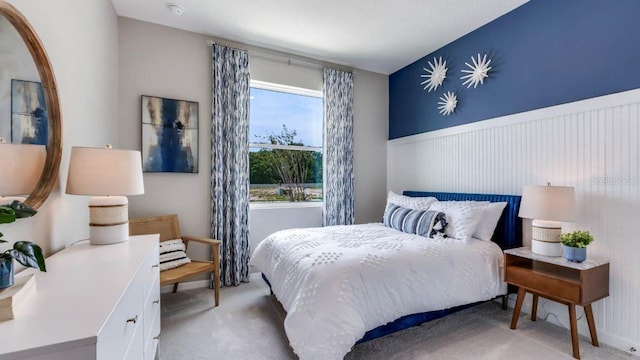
x,y
169,229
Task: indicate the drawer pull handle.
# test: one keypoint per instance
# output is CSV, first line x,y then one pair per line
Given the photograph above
x,y
156,301
157,337
133,320
155,265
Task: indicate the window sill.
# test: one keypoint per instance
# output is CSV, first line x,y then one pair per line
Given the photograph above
x,y
285,205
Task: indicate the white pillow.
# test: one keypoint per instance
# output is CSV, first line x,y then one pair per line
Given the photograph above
x,y
172,254
415,203
463,217
489,221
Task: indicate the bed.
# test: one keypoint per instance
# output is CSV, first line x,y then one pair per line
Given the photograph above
x,y
346,284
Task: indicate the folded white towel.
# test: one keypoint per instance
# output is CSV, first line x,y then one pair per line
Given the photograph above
x,y
170,242
173,259
172,256
171,248
174,263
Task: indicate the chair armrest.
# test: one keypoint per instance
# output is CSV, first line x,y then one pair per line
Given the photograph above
x,y
215,244
200,239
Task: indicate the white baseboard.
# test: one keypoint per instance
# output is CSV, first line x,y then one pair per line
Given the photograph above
x,y
186,286
559,316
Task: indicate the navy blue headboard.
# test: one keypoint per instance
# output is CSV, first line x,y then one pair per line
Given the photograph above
x,y
508,233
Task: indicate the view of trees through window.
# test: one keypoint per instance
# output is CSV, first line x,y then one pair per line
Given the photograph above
x,y
285,157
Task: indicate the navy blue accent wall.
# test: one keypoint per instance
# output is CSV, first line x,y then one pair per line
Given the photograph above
x,y
544,53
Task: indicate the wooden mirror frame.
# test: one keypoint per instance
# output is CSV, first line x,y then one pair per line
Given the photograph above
x,y
54,143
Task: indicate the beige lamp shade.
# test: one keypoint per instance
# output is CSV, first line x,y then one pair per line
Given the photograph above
x,y
109,175
104,172
21,166
548,206
553,203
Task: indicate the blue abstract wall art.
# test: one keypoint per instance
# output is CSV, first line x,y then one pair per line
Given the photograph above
x,y
169,135
29,120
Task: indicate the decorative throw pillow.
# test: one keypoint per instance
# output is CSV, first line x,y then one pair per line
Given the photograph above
x,y
420,222
462,217
489,221
172,254
416,203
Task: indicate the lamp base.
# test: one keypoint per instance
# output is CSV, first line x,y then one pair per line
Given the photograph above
x,y
546,248
108,220
545,238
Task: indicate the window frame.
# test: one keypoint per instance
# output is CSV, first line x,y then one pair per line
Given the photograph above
x,y
263,85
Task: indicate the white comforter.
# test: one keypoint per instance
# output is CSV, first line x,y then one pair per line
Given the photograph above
x,y
338,282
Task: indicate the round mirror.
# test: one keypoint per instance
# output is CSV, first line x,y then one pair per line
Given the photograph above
x,y
28,93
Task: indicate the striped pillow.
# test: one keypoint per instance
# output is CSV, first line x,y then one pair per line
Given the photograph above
x,y
428,223
172,254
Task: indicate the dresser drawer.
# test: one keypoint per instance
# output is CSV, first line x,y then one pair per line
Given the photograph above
x,y
150,269
118,332
136,350
152,310
151,345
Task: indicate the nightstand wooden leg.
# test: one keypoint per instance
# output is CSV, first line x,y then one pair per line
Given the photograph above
x,y
534,308
574,331
592,325
516,309
505,302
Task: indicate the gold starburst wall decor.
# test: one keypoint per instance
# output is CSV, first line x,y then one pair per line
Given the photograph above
x,y
448,103
435,74
479,71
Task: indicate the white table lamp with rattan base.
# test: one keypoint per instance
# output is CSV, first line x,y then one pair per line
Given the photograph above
x,y
548,206
109,174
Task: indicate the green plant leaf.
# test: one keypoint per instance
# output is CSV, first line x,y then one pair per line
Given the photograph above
x,y
22,210
578,239
28,254
7,215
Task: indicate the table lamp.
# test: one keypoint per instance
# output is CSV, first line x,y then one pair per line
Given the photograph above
x,y
548,206
21,166
107,174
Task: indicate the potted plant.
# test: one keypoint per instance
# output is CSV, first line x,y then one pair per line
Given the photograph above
x,y
25,252
574,245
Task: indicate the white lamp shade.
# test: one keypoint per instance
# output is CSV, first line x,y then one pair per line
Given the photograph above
x,y
553,203
21,166
104,172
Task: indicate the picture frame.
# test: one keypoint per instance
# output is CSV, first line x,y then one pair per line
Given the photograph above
x,y
29,118
169,130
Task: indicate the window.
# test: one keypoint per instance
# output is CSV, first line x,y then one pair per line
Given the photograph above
x,y
285,143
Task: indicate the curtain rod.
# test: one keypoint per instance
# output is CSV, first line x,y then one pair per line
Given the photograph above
x,y
283,57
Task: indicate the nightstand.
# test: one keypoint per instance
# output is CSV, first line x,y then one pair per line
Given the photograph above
x,y
559,280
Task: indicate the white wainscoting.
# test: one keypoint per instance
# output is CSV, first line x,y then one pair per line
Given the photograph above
x,y
590,144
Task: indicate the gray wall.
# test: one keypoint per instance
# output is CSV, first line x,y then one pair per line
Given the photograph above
x,y
371,114
162,61
83,51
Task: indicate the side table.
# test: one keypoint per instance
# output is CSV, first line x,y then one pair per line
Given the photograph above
x,y
559,280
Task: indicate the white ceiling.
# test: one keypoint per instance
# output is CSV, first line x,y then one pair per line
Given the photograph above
x,y
376,35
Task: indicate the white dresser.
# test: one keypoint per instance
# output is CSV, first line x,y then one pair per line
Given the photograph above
x,y
94,302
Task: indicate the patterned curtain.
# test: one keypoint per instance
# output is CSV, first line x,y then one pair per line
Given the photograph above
x,y
338,148
230,162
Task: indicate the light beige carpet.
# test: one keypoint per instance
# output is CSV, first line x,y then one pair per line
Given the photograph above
x,y
249,325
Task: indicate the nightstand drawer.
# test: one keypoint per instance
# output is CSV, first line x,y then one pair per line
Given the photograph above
x,y
543,283
578,284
